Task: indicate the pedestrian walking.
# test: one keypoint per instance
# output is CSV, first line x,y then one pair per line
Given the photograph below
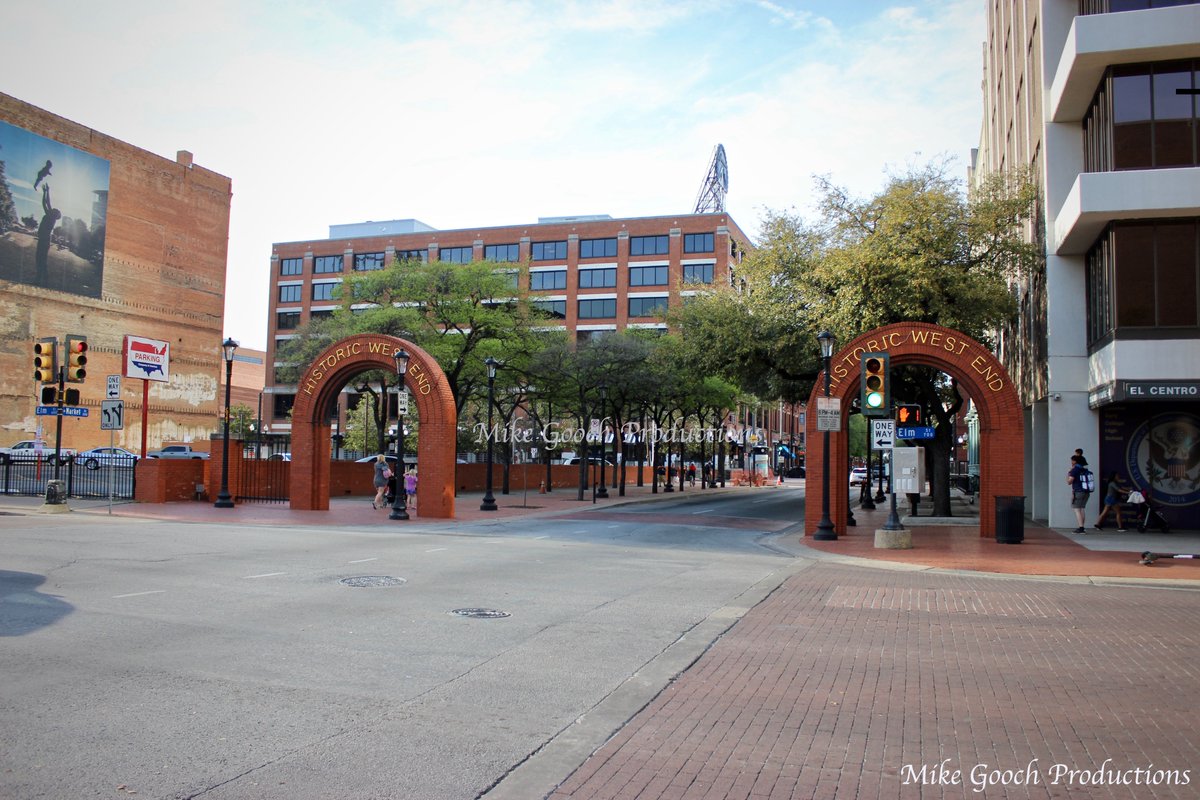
x,y
382,473
1115,493
1081,482
410,488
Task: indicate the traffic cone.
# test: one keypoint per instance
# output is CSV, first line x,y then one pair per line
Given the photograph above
x,y
542,487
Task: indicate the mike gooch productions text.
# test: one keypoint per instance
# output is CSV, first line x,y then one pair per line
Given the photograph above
x,y
985,776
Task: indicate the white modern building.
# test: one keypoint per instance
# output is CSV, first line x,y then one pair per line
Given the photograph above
x,y
1099,98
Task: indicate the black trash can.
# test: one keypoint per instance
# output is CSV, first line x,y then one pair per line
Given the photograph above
x,y
1010,519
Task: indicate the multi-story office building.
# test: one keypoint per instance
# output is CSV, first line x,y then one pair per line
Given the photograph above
x,y
595,274
102,239
1099,97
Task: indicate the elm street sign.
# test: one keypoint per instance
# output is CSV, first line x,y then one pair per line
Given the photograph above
x,y
915,432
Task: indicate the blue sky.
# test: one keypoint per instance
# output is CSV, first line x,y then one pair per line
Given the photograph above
x,y
476,114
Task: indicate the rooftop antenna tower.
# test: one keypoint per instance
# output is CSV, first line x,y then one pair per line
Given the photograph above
x,y
712,193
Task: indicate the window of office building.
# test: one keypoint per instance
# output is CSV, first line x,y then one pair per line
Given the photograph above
x,y
549,251
649,245
412,255
648,276
291,266
697,243
698,273
555,308
1144,116
598,309
513,277
281,405
456,255
1144,275
325,291
502,252
324,264
603,278
320,313
368,261
598,248
647,306
286,320
550,279
591,336
291,293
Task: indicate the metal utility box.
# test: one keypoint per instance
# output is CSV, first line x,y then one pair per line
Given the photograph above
x,y
908,465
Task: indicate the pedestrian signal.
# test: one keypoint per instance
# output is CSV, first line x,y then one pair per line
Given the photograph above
x,y
908,415
49,395
45,360
76,358
72,397
875,398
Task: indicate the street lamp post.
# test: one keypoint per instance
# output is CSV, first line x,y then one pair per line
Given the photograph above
x,y
400,497
825,530
489,501
602,491
224,499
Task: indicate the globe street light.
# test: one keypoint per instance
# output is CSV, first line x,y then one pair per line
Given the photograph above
x,y
400,497
224,500
825,530
489,501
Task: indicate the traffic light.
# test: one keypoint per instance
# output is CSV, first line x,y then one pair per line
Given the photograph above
x,y
908,415
50,395
76,358
875,398
45,360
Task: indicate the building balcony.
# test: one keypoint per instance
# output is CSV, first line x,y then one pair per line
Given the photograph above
x,y
1098,41
1097,198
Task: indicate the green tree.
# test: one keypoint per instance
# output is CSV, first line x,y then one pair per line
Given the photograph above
x,y
920,250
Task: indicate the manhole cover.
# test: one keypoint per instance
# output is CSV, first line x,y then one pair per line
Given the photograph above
x,y
480,613
372,581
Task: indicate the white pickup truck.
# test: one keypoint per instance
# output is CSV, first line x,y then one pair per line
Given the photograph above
x,y
27,451
178,451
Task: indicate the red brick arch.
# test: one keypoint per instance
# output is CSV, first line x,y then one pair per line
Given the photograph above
x,y
328,374
1001,420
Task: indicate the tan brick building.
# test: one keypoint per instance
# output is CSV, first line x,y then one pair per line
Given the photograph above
x,y
103,239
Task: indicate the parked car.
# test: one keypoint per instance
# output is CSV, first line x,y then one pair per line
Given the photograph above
x,y
279,457
409,459
27,451
592,460
858,476
105,456
178,451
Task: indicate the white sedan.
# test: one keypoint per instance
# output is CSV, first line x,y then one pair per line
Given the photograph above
x,y
858,476
104,456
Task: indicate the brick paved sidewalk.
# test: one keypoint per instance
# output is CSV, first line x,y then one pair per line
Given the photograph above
x,y
847,680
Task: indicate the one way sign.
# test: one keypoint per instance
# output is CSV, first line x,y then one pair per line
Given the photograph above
x,y
883,433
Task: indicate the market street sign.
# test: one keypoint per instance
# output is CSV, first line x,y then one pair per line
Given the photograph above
x,y
67,411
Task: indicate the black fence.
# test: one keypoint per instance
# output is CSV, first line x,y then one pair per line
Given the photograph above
x,y
85,477
266,469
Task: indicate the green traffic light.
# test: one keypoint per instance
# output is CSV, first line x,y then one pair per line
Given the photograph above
x,y
875,399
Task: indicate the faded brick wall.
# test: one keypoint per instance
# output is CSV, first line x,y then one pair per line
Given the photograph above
x,y
164,278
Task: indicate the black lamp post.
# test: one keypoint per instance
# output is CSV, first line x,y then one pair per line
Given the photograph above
x,y
400,497
489,501
825,530
602,491
224,499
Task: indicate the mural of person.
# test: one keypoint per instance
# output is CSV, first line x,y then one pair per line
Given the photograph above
x,y
50,218
43,173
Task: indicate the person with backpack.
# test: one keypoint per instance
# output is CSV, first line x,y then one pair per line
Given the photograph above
x,y
1082,483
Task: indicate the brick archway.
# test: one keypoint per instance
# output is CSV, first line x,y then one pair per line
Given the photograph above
x,y
1001,421
426,382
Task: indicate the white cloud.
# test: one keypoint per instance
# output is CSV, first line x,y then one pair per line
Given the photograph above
x,y
482,112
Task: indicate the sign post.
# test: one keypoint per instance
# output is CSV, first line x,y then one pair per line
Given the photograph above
x,y
152,359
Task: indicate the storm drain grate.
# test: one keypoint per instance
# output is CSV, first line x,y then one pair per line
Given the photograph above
x,y
372,581
480,613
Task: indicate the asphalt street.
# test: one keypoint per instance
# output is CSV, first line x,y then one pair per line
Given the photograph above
x,y
181,660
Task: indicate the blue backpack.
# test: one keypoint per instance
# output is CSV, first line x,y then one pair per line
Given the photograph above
x,y
1087,481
